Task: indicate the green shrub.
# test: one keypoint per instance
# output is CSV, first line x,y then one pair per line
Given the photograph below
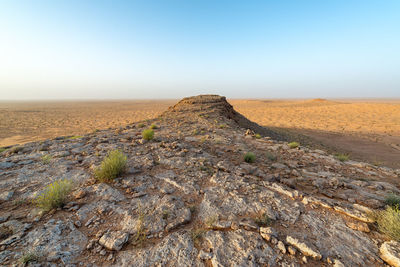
x,y
148,134
388,222
2,149
271,156
54,195
29,256
342,157
293,144
74,137
262,220
111,167
153,126
141,125
258,136
392,200
46,159
249,157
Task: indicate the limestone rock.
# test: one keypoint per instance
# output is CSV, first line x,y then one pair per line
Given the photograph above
x,y
114,240
390,253
305,249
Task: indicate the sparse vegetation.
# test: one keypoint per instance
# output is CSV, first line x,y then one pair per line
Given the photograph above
x,y
258,136
210,221
222,126
141,125
140,237
392,200
54,195
195,132
342,157
197,235
388,221
111,167
293,144
2,149
153,126
271,156
165,214
74,137
249,157
148,134
46,159
262,220
28,257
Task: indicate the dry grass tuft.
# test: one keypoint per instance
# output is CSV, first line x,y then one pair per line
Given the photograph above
x,y
388,221
54,196
148,134
111,167
249,157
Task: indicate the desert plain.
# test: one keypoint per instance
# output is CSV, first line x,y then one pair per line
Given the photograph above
x,y
367,130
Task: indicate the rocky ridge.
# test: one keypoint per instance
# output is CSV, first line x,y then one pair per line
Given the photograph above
x,y
188,198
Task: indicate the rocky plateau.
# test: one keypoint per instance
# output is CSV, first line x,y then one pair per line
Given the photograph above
x,y
188,198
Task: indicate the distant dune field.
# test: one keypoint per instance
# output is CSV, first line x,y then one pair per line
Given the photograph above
x,y
369,128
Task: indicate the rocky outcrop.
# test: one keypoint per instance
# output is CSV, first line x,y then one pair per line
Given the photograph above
x,y
188,198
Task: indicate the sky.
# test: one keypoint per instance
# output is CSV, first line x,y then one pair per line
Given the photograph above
x,y
83,49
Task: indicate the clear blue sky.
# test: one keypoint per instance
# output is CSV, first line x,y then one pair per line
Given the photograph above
x,y
170,49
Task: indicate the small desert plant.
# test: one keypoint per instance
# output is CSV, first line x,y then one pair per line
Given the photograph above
x,y
392,200
258,136
46,159
262,220
222,126
249,157
54,196
210,221
111,167
2,149
342,157
293,144
388,221
28,257
141,125
153,126
140,237
74,137
197,234
271,156
148,134
165,214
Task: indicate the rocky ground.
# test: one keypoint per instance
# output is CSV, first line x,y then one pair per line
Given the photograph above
x,y
189,199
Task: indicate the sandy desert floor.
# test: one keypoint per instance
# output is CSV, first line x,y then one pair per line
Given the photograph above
x,y
367,130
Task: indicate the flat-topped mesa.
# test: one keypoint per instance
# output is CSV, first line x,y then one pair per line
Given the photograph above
x,y
204,104
214,107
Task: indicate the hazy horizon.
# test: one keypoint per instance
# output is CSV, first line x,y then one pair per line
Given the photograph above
x,y
99,50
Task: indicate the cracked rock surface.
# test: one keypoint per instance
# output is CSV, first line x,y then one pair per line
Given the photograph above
x,y
189,199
